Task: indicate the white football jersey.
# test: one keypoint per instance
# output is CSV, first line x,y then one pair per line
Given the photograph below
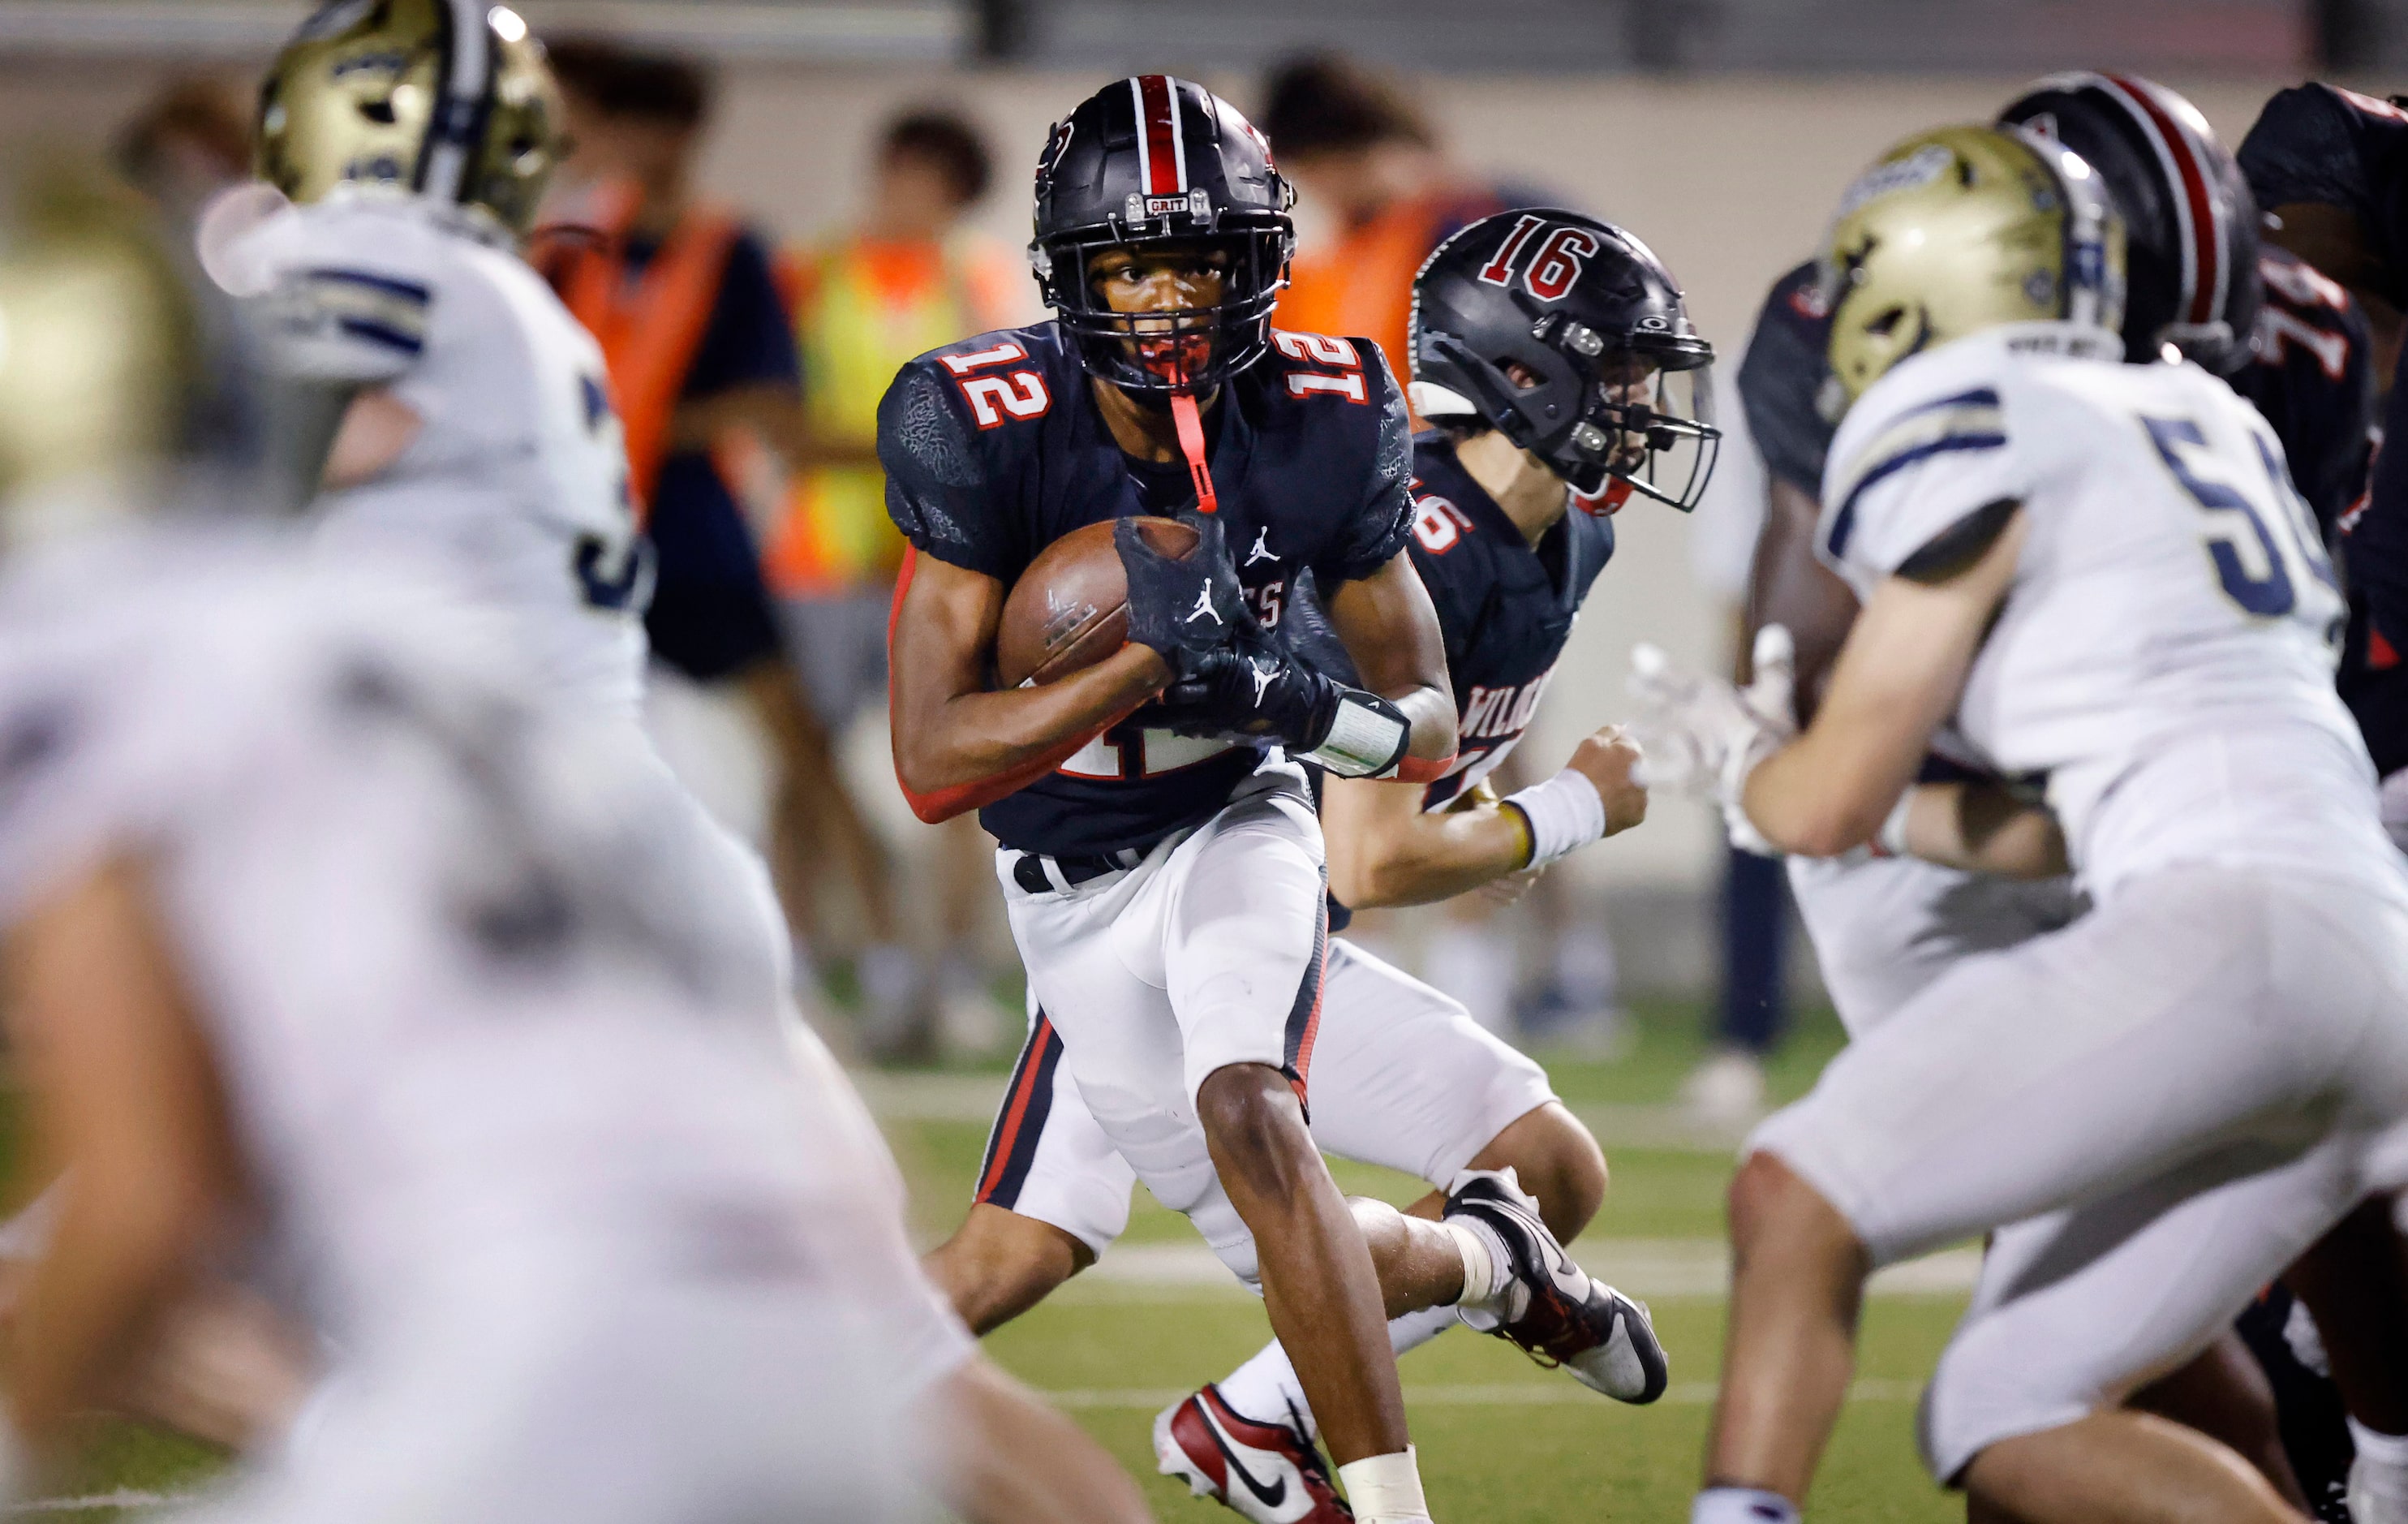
x,y
2164,658
516,483
493,1010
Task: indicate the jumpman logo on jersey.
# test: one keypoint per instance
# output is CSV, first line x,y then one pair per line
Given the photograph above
x,y
1204,606
1262,551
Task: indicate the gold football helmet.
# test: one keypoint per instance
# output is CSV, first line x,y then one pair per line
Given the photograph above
x,y
1964,228
444,97
98,349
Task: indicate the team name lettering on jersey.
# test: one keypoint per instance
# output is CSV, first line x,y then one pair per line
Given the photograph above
x,y
1496,712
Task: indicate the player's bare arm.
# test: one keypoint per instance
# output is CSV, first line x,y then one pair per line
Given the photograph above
x,y
1895,679
127,1102
1386,849
950,729
1983,828
377,427
1391,632
1787,586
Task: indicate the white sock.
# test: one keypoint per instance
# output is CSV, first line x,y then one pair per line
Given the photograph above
x,y
2378,1479
1488,1269
1385,1489
1415,1330
1267,1390
1741,1505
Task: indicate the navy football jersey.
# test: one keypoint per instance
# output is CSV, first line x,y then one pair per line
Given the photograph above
x,y
2311,376
1781,380
994,449
2320,143
1505,606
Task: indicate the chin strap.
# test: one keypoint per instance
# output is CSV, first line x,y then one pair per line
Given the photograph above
x,y
1191,444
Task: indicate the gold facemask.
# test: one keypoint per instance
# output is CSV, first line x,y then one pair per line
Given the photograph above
x,y
1960,229
437,96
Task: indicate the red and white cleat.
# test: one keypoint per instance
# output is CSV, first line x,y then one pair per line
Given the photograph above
x,y
1267,1473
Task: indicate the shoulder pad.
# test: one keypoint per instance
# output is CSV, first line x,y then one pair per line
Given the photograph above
x,y
1317,366
1943,403
1006,377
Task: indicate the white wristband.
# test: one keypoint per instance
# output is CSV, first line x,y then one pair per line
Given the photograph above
x,y
1384,1489
1891,839
1565,812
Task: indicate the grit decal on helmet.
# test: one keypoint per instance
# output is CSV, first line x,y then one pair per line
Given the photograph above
x,y
1965,228
1153,162
448,98
1568,336
2189,221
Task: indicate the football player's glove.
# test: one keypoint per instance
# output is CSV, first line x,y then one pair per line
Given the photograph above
x,y
1255,689
1702,736
1180,605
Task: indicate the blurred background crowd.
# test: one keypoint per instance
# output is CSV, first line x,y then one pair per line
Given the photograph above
x,y
771,206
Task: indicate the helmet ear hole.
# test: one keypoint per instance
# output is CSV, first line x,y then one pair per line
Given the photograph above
x,y
379,112
1885,324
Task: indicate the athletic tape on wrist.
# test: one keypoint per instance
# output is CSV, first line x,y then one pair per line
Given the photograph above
x,y
1384,1488
1362,739
1565,812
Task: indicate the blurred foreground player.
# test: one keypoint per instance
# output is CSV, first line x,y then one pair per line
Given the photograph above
x,y
1402,1076
321,932
2174,1096
1164,876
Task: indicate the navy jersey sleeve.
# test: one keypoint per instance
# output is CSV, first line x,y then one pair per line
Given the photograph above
x,y
2311,375
750,340
2316,143
1375,530
1781,377
940,490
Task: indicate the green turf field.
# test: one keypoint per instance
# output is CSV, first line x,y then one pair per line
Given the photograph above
x,y
1501,1440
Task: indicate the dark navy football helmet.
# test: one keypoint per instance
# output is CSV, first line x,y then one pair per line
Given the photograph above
x,y
1568,336
1153,161
2190,224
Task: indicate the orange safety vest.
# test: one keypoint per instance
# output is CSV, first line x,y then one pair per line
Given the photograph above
x,y
650,327
1364,283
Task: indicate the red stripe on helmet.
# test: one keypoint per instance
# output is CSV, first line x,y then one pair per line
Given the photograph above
x,y
1157,135
2206,249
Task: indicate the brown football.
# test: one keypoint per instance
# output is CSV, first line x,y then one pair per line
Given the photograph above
x,y
1070,610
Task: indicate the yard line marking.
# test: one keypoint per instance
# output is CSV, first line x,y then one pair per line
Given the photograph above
x,y
123,1498
974,1097
1512,1394
1643,1267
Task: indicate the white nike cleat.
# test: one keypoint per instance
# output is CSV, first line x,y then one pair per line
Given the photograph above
x,y
1267,1473
1555,1311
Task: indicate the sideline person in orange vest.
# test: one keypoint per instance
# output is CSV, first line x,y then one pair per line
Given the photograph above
x,y
680,297
906,279
1368,165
